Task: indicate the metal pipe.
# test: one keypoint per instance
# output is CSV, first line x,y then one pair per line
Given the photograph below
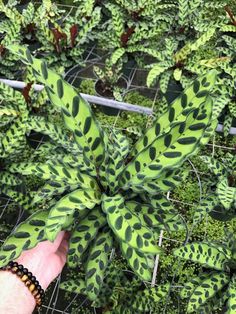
x,y
92,99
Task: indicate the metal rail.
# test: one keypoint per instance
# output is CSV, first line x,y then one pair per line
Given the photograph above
x,y
90,98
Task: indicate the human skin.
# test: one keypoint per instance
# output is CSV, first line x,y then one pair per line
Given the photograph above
x,y
45,262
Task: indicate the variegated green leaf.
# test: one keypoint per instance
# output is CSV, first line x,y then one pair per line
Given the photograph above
x,y
226,194
54,172
23,200
49,190
192,97
141,263
204,254
164,81
9,179
74,285
207,289
231,304
75,201
84,232
14,140
127,226
191,285
76,111
26,236
97,262
214,165
143,300
168,150
156,70
39,124
205,207
117,150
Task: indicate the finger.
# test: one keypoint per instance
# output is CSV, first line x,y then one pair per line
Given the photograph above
x,y
67,235
47,247
62,252
64,247
55,245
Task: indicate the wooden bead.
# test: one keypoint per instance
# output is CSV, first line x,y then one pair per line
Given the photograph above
x,y
20,267
38,296
24,277
19,273
33,278
35,292
31,287
28,283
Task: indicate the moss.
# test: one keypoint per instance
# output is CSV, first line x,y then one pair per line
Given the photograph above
x,y
187,192
87,87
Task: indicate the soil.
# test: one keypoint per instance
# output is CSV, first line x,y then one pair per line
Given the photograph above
x,y
105,90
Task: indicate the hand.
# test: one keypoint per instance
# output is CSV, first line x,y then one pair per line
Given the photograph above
x,y
47,259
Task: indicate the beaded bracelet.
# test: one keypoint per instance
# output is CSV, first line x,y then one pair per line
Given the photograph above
x,y
28,279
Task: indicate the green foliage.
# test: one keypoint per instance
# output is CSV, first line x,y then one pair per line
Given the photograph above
x,y
26,236
119,294
50,31
93,183
182,63
202,290
219,199
133,26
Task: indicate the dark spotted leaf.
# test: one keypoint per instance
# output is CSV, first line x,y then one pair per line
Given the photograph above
x,y
97,262
207,289
76,111
74,285
231,304
226,194
143,300
22,199
214,165
141,263
54,172
191,285
206,206
49,190
84,232
77,200
26,236
189,99
170,149
127,226
204,254
39,124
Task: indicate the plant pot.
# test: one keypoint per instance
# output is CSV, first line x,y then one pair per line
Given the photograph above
x,y
103,90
